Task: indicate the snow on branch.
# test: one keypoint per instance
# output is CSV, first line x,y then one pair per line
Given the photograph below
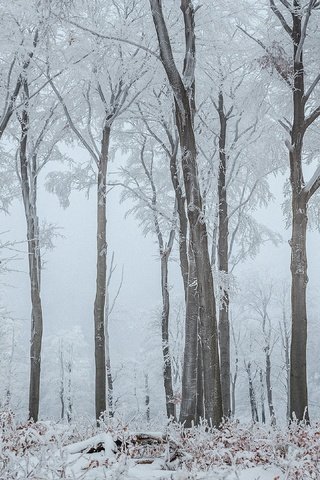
x,y
314,183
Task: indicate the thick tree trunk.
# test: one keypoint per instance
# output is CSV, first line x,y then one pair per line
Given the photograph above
x,y
298,367
199,242
190,382
99,304
298,370
223,263
190,393
167,370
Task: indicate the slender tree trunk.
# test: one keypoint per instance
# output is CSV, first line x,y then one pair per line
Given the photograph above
x,y
167,370
223,263
69,391
109,378
269,386
252,395
61,392
147,396
99,304
28,186
263,412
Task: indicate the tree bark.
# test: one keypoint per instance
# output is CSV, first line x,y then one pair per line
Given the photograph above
x,y
100,299
223,262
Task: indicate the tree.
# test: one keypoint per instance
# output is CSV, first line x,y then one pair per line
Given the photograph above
x,y
110,89
183,92
144,181
297,19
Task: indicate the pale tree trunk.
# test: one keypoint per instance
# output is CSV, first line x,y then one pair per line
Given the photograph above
x,y
252,394
197,227
285,338
263,412
29,194
61,389
234,377
99,304
69,387
269,386
223,262
147,396
190,376
167,369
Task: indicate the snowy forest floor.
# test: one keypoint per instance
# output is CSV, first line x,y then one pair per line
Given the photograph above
x,y
49,451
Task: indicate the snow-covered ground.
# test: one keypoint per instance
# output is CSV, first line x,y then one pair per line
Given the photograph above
x,y
50,451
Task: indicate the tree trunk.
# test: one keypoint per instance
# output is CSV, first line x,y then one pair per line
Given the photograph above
x,y
167,370
269,386
190,381
298,367
298,370
147,396
29,195
252,395
99,304
190,392
263,412
223,264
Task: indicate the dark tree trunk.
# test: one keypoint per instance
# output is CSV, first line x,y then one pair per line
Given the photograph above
x,y
298,367
223,263
100,299
298,372
29,186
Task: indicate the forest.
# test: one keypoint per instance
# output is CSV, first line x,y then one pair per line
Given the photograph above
x,y
159,203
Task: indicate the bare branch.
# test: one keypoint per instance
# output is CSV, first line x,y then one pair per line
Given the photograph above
x,y
311,88
311,118
72,125
116,39
304,31
266,49
277,12
313,184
